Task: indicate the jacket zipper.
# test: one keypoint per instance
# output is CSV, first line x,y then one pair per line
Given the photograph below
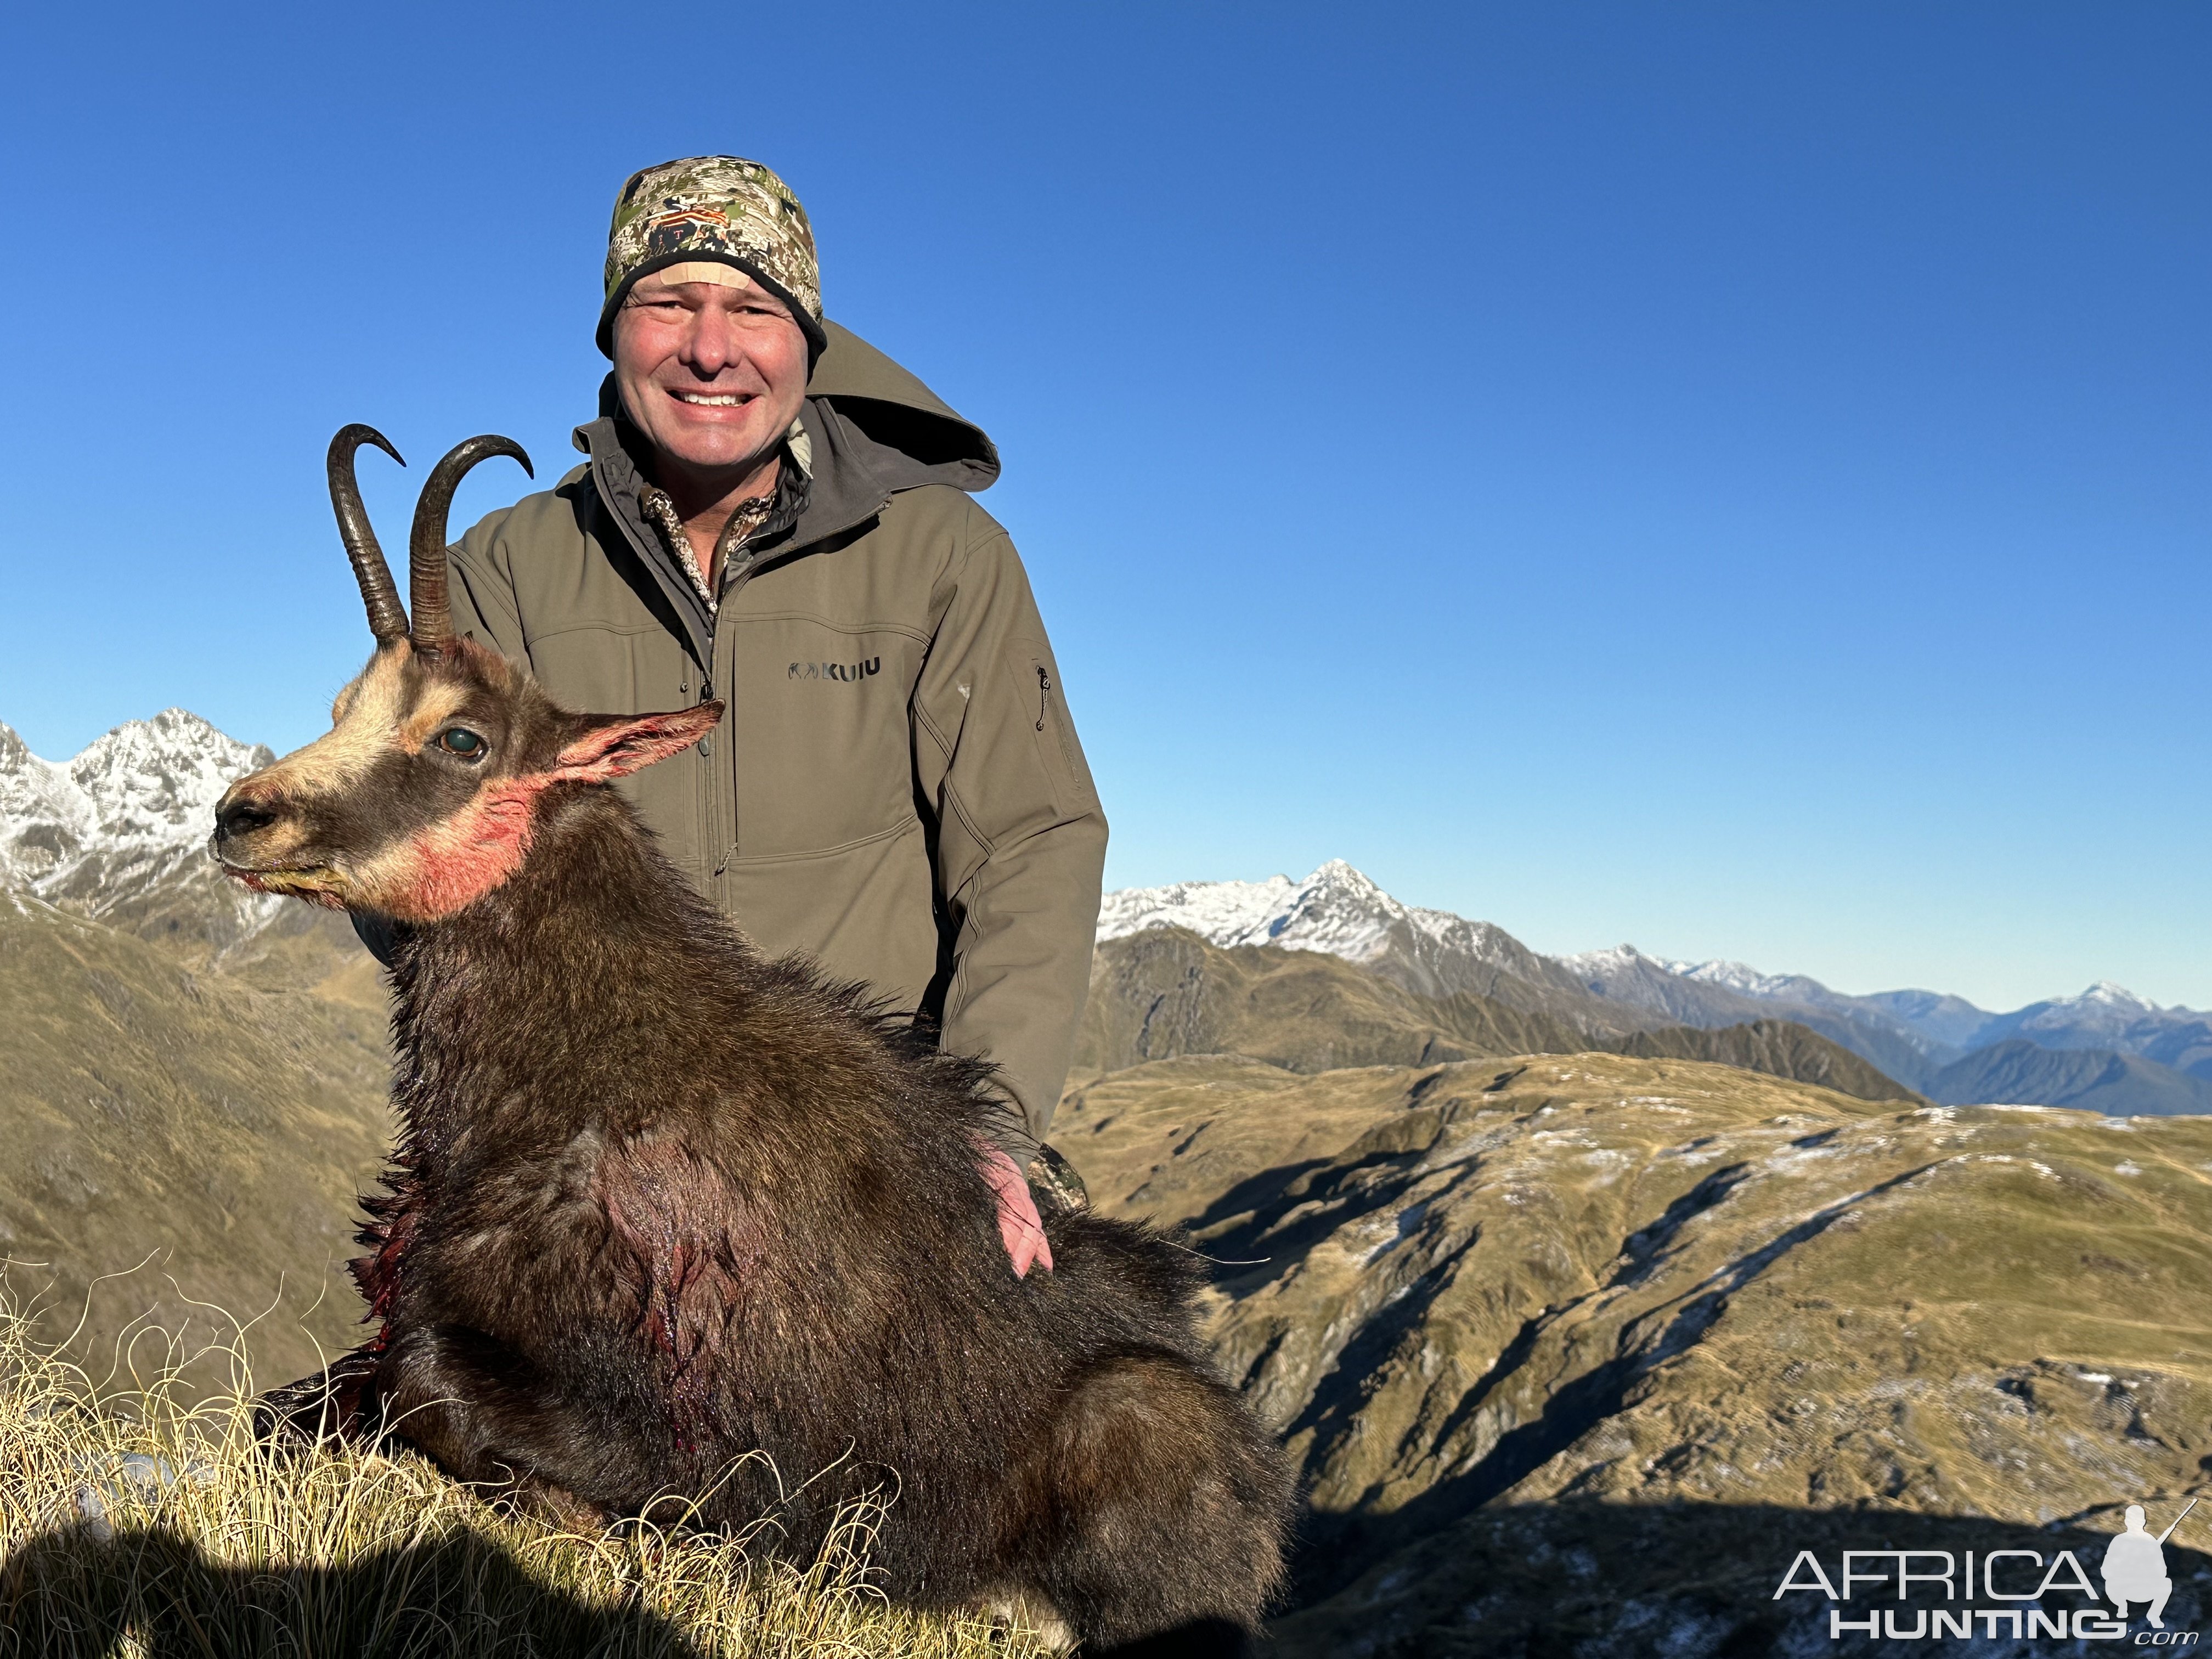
x,y
713,838
1057,718
736,577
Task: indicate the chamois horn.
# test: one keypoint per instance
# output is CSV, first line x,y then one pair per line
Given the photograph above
x,y
387,617
426,547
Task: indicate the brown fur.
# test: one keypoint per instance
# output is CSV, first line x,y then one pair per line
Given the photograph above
x,y
668,1218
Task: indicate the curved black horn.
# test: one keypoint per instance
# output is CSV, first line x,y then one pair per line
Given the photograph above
x,y
426,546
387,617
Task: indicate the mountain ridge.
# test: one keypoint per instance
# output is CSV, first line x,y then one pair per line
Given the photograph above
x,y
1911,1036
1164,993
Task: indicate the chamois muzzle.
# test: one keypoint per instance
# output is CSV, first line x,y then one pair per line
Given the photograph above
x,y
387,618
234,817
433,618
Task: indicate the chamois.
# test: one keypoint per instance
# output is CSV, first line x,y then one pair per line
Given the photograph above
x,y
658,1204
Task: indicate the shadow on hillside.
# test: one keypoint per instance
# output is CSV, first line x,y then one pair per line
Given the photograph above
x,y
1341,1547
1586,1577
68,1593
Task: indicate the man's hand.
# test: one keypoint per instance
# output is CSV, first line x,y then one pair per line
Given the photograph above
x,y
1019,1224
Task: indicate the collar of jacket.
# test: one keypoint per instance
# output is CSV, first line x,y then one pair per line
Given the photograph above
x,y
873,430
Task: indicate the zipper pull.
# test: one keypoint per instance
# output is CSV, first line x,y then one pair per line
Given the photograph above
x,y
1044,694
707,695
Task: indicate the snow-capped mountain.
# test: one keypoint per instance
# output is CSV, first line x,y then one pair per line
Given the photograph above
x,y
1747,980
2099,1014
1338,911
120,830
2109,1016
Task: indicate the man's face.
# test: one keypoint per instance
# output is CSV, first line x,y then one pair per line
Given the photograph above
x,y
711,375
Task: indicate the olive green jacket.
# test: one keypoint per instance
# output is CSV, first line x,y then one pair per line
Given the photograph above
x,y
895,788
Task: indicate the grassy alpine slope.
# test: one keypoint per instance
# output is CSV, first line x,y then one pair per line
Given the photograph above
x,y
1581,1349
141,1525
214,1128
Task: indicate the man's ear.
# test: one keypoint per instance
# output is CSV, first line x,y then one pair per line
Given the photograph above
x,y
603,747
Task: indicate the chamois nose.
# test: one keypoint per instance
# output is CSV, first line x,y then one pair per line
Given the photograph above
x,y
240,817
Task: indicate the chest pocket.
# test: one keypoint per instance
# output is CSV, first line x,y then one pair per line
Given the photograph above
x,y
822,750
607,669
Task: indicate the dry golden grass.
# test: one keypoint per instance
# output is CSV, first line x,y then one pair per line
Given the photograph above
x,y
139,1520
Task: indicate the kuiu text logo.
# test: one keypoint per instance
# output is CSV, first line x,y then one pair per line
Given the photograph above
x,y
834,671
1947,1582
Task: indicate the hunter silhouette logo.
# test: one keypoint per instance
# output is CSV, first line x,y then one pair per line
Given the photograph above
x,y
2133,1569
834,671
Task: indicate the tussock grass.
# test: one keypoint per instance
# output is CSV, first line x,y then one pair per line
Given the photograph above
x,y
138,1519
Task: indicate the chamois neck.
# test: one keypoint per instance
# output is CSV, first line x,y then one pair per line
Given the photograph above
x,y
593,891
591,870
552,992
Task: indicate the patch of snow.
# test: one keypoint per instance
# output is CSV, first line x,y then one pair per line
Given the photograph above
x,y
1737,976
2104,995
1604,965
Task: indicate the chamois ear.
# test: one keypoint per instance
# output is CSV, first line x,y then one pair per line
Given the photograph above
x,y
603,747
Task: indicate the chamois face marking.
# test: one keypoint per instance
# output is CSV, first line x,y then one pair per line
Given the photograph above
x,y
422,797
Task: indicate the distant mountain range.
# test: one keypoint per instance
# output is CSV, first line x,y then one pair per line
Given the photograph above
x,y
1163,992
117,834
2108,1048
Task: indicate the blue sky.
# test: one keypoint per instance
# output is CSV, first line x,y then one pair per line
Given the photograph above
x,y
1731,478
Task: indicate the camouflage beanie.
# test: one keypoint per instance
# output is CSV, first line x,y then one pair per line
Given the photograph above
x,y
717,208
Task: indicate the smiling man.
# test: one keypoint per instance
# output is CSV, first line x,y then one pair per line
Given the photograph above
x,y
774,513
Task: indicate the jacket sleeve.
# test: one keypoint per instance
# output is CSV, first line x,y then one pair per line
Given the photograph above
x,y
1021,839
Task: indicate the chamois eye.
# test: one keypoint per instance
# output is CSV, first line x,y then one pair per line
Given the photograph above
x,y
459,740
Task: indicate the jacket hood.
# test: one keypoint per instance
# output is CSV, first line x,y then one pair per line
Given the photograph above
x,y
896,412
